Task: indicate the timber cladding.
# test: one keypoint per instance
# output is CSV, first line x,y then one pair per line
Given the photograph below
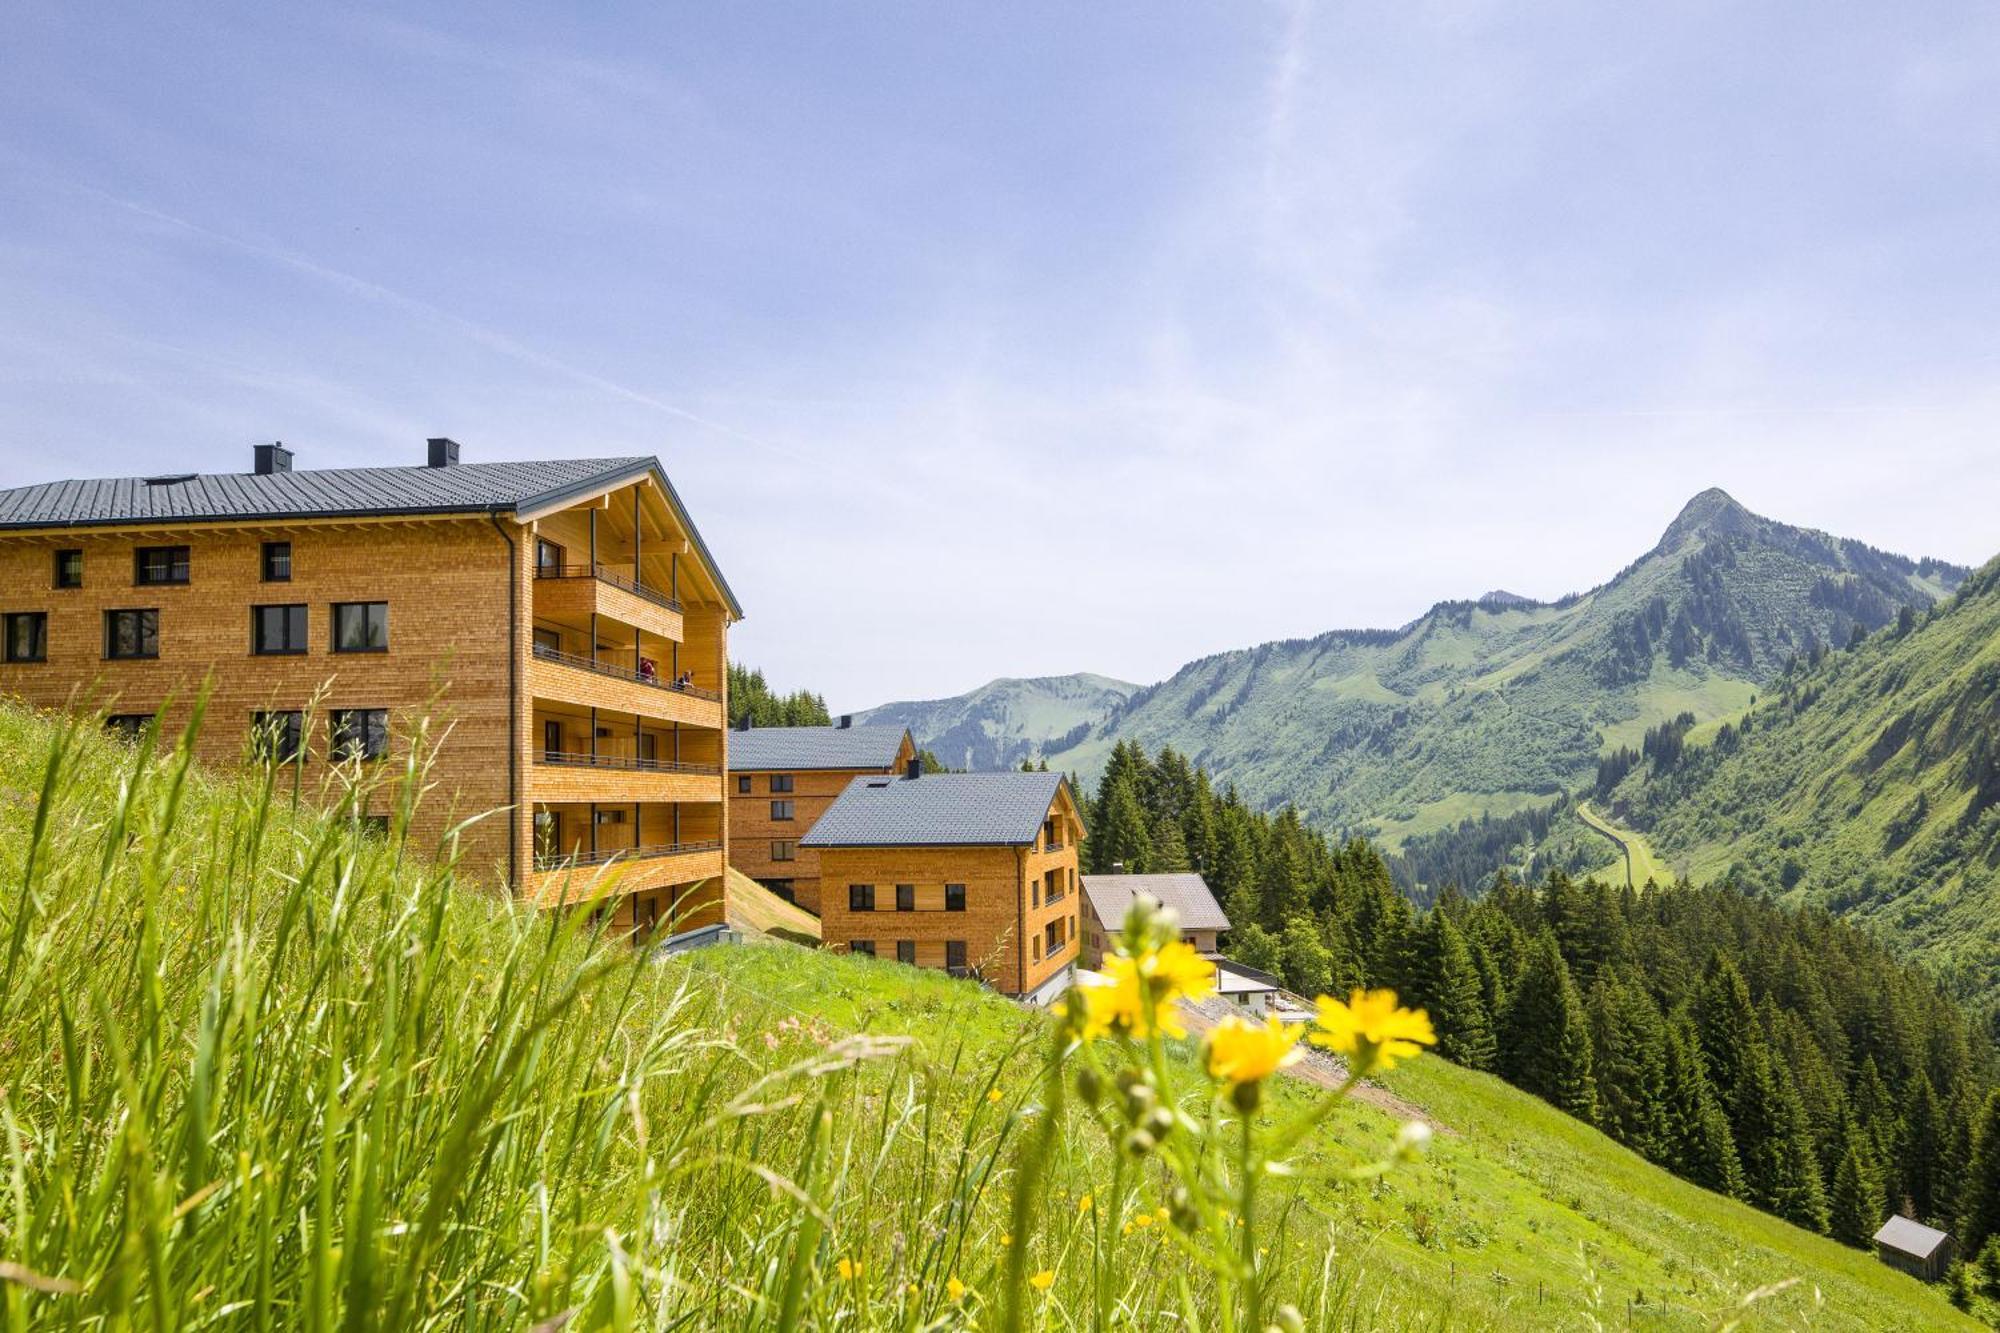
x,y
444,583
753,828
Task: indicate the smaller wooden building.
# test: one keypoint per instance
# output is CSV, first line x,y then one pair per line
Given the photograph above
x,y
782,779
1106,898
1921,1251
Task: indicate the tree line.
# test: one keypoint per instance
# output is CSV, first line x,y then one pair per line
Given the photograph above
x,y
1772,1054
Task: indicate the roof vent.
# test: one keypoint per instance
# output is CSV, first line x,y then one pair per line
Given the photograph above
x,y
846,721
272,458
444,452
914,769
173,479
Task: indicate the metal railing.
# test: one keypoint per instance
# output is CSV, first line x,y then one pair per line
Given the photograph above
x,y
1053,846
630,763
604,668
605,856
605,574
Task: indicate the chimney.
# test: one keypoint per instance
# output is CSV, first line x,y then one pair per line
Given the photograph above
x,y
1117,867
271,458
444,452
743,723
914,769
846,721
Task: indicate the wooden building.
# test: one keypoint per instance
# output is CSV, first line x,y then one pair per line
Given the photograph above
x,y
1106,898
973,872
561,624
1921,1251
782,779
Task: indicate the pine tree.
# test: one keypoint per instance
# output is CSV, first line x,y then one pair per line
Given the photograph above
x,y
1168,854
1628,1056
1547,1045
1855,1207
1695,1140
1919,1149
1979,1216
1121,837
1446,982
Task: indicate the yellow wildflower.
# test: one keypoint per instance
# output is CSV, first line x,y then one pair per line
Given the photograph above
x,y
1006,1239
1141,992
1372,1028
915,1290
993,1095
955,1289
1143,1220
1083,1204
1240,1051
1043,1280
848,1269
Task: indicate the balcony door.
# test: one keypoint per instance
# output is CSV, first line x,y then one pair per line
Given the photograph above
x,y
548,559
551,741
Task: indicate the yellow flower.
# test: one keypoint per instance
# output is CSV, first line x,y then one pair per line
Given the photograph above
x,y
1006,1240
849,1270
1141,992
1143,1220
1043,1280
1240,1051
1372,1028
1083,1204
955,1289
993,1095
1164,1213
915,1290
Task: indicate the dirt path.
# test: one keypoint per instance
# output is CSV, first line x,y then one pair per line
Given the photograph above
x,y
1318,1068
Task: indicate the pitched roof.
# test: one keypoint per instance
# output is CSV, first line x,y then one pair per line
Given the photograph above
x,y
1910,1237
767,749
1187,894
938,810
346,492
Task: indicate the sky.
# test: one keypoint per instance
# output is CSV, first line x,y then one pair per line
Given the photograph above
x,y
1011,340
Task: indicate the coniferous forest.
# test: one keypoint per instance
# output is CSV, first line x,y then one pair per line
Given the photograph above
x,y
1773,1054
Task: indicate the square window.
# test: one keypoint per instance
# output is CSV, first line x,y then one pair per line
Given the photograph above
x,y
131,634
26,637
783,849
278,737
781,811
360,733
361,627
160,564
781,782
277,562
954,955
277,629
128,726
954,898
743,785
69,569
906,897
861,897
906,951
862,946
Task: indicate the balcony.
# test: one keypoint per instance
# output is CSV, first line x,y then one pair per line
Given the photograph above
x,y
618,779
597,683
568,878
576,592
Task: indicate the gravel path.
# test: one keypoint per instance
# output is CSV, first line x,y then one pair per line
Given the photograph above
x,y
1318,1067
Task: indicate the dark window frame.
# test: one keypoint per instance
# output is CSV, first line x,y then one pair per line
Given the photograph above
x,y
862,946
295,643
784,849
291,746
272,553
342,607
129,726
111,616
743,787
62,578
955,949
861,897
39,619
783,812
906,951
178,562
906,897
781,784
340,737
954,897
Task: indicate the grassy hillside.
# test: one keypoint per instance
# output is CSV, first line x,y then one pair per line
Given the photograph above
x,y
1005,721
1868,783
267,1069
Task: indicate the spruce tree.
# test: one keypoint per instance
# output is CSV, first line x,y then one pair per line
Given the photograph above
x,y
1121,837
1446,982
1628,1055
1855,1207
1546,1050
1695,1140
1979,1216
1920,1148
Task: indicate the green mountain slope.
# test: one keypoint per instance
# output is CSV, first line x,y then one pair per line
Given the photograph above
x,y
1008,720
1497,705
1868,782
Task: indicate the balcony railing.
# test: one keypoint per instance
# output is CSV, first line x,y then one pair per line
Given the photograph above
x,y
1052,846
567,759
604,668
605,574
562,860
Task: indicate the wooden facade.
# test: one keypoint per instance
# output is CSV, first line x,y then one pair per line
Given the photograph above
x,y
542,649
771,809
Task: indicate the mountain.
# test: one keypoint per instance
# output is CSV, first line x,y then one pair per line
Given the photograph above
x,y
1005,721
1498,704
1866,782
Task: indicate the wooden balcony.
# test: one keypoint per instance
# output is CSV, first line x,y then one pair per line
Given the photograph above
x,y
565,879
616,780
574,592
569,678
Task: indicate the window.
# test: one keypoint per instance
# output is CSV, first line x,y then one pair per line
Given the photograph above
x,y
906,951
783,849
743,785
861,897
277,562
1054,934
27,636
128,726
375,826
954,955
1035,949
1034,893
277,629
360,733
278,737
862,946
69,569
781,783
130,634
906,897
160,564
783,888
781,810
954,897
548,559
361,627
548,641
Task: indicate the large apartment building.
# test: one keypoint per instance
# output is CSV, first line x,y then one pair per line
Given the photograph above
x,y
560,623
973,872
782,779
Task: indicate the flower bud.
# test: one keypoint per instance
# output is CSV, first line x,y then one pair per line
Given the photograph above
x,y
1246,1096
1159,1122
1287,1319
1140,1144
1412,1139
1180,1210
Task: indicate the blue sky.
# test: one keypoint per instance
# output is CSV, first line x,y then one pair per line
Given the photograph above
x,y
1012,340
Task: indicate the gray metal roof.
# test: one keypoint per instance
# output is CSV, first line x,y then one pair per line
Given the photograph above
x,y
938,810
778,749
351,492
1187,894
1910,1237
